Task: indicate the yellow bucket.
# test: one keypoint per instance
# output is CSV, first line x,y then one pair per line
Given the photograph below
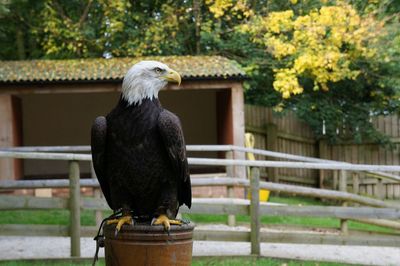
x,y
249,143
264,195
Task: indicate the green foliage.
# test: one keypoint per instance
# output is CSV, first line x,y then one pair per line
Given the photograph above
x,y
94,28
19,24
335,76
98,28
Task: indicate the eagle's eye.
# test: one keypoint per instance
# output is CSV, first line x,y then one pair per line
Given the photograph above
x,y
158,70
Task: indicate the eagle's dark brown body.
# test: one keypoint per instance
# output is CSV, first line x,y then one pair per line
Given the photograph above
x,y
140,160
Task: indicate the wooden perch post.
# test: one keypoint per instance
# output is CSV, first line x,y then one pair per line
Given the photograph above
x,y
255,211
74,207
343,187
230,189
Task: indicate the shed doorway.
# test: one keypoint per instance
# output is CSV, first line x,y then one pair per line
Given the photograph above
x,y
65,120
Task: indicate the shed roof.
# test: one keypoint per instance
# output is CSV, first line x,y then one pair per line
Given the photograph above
x,y
100,69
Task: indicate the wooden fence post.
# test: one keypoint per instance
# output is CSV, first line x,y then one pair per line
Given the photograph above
x,y
96,195
335,180
356,183
231,191
343,187
255,211
272,145
322,154
380,194
74,207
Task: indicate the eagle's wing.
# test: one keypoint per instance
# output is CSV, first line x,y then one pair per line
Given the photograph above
x,y
172,135
98,145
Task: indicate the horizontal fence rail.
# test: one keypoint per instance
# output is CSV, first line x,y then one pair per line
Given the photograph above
x,y
217,181
280,164
215,162
325,193
379,213
212,206
325,237
226,148
45,183
279,155
46,156
286,156
86,148
82,148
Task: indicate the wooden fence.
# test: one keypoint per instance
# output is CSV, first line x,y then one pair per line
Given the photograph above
x,y
379,212
287,134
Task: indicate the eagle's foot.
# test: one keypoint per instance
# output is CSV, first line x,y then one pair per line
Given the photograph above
x,y
164,221
126,219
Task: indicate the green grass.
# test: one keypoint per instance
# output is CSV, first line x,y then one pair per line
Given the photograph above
x,y
57,217
257,262
290,220
47,263
196,262
283,220
61,217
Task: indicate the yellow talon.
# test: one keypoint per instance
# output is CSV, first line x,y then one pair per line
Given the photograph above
x,y
120,221
163,220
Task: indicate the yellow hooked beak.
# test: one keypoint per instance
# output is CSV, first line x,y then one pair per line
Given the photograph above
x,y
173,76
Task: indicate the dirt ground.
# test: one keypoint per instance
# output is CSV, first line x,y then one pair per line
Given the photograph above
x,y
58,247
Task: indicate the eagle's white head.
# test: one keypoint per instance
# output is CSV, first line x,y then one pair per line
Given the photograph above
x,y
145,79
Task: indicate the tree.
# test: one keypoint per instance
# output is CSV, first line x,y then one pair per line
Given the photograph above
x,y
19,23
330,63
96,28
334,73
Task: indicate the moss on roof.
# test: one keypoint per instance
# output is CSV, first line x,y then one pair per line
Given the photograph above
x,y
190,67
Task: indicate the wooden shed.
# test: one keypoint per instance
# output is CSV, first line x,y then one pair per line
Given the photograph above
x,y
53,102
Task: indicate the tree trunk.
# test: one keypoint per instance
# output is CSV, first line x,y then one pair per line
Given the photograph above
x,y
197,18
20,43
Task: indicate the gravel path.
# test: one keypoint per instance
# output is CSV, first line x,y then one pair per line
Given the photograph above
x,y
58,247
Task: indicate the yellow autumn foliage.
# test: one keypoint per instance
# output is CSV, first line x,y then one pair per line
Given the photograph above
x,y
320,45
236,8
218,7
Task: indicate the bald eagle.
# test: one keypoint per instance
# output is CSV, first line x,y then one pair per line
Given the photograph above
x,y
139,153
